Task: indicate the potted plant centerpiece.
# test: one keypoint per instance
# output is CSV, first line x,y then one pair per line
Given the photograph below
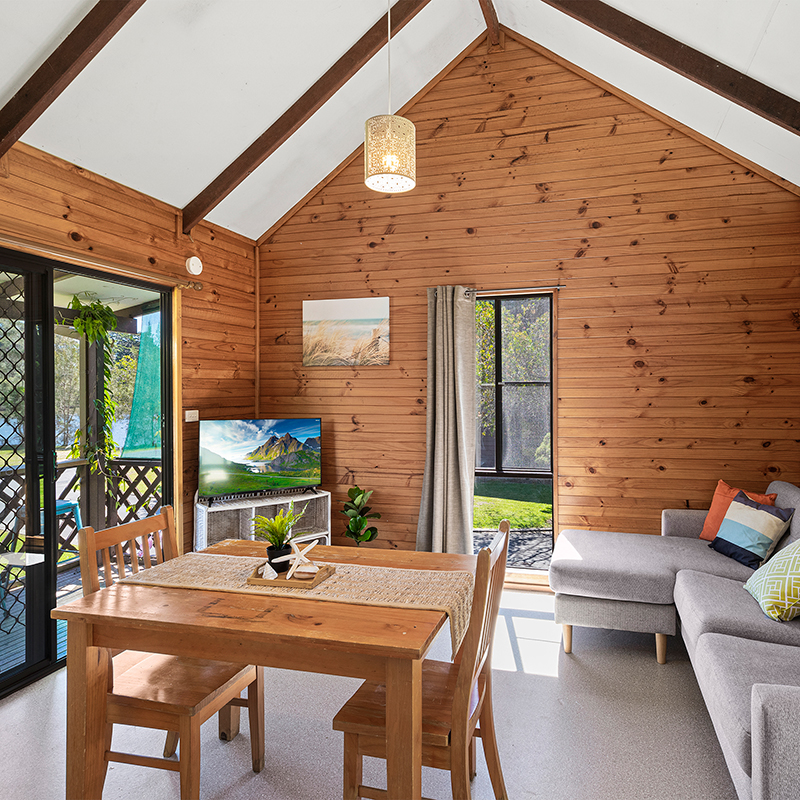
x,y
277,531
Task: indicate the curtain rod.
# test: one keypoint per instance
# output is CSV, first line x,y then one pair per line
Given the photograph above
x,y
528,290
89,261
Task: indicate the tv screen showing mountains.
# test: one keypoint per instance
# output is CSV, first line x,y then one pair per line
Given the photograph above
x,y
258,455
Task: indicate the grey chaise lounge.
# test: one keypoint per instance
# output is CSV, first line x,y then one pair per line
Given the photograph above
x,y
626,581
747,665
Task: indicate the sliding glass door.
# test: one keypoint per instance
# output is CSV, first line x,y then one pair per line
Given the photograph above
x,y
84,437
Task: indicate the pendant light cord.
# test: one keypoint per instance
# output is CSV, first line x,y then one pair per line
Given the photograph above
x,y
389,52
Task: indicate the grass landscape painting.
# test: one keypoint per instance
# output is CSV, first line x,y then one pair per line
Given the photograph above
x,y
257,455
353,332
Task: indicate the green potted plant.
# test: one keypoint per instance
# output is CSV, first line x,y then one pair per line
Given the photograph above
x,y
277,531
358,514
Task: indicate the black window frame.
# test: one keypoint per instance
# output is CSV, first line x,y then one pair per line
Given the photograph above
x,y
498,471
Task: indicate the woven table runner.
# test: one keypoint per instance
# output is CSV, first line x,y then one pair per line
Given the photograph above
x,y
448,591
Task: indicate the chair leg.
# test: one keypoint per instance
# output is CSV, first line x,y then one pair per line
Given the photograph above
x,y
171,744
661,648
255,714
228,720
190,758
459,771
109,733
489,738
567,638
352,767
109,729
473,758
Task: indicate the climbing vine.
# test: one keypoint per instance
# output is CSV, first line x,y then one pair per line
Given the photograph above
x,y
94,321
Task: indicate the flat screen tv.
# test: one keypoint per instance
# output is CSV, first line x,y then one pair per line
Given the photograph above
x,y
242,457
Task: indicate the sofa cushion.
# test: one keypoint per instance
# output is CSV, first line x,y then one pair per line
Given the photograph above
x,y
711,604
750,531
776,585
788,497
723,495
726,668
631,566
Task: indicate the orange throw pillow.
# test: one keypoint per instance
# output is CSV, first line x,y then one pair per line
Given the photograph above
x,y
723,495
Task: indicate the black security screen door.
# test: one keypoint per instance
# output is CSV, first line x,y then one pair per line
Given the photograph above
x,y
27,556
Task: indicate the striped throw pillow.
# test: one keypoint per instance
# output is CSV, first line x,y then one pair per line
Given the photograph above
x,y
776,585
750,531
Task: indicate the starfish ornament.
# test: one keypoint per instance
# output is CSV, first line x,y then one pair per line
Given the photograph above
x,y
298,556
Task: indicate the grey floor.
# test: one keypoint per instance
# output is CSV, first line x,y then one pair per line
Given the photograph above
x,y
605,723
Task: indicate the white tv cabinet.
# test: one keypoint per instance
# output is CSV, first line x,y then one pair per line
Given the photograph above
x,y
233,519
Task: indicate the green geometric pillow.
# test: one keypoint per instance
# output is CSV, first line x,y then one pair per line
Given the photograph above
x,y
776,585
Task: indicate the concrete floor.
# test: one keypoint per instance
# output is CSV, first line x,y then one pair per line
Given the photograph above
x,y
605,723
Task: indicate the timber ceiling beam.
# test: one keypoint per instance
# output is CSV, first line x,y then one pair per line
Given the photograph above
x,y
698,67
403,11
88,38
492,25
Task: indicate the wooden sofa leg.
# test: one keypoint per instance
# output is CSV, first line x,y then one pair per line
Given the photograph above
x,y
567,638
661,648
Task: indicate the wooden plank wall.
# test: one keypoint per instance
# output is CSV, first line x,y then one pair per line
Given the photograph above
x,y
679,326
50,202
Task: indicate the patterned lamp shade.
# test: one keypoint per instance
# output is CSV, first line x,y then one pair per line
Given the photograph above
x,y
390,159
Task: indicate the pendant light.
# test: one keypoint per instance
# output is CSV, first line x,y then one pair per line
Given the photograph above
x,y
390,161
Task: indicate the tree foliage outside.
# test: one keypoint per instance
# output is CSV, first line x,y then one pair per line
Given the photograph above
x,y
484,373
123,371
12,392
68,395
12,370
121,376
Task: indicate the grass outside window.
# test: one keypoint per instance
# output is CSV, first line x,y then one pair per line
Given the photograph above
x,y
524,502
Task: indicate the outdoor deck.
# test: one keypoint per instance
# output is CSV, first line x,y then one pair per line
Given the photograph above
x,y
12,632
528,548
134,493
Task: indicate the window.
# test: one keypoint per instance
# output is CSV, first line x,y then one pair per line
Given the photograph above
x,y
514,464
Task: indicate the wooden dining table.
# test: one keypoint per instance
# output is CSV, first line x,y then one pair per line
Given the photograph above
x,y
376,643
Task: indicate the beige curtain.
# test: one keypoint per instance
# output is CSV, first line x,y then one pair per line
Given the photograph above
x,y
445,514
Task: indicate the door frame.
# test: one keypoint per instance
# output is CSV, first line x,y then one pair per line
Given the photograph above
x,y
519,578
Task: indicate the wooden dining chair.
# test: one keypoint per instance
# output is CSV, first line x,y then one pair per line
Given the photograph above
x,y
166,692
456,699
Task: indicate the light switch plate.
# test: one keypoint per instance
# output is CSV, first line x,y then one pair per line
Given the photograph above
x,y
192,415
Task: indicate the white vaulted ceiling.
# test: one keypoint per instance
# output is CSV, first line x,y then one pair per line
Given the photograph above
x,y
186,85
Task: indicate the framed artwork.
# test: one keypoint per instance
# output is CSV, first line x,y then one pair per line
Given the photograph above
x,y
350,333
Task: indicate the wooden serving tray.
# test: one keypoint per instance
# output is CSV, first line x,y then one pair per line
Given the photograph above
x,y
325,571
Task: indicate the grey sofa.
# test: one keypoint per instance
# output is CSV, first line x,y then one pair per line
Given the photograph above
x,y
747,665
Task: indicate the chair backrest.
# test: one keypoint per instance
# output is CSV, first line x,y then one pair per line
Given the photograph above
x,y
475,652
147,541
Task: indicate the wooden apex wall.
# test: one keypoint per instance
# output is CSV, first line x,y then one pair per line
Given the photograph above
x,y
678,327
49,202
